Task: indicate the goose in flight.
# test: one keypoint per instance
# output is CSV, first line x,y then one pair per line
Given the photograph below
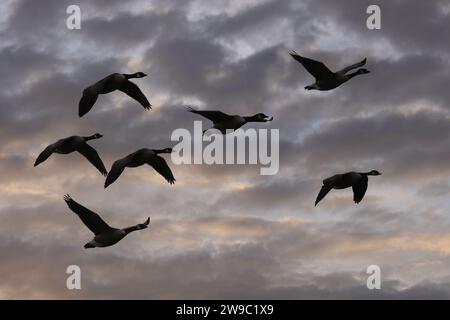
x,y
139,158
105,235
115,81
356,180
71,144
325,78
222,121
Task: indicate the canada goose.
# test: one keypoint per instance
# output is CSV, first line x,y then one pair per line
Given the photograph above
x,y
356,180
325,78
71,144
105,235
222,121
139,158
115,81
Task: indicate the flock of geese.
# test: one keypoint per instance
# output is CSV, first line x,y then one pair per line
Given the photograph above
x,y
105,235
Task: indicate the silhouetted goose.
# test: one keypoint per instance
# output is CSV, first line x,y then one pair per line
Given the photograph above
x,y
139,158
105,235
115,81
222,121
71,144
356,180
325,78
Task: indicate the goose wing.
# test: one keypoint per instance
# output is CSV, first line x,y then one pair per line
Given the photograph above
x,y
134,92
332,180
316,68
89,218
160,165
353,66
359,189
214,116
116,170
91,154
87,101
48,151
322,193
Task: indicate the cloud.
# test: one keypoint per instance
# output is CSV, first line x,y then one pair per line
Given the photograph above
x,y
226,232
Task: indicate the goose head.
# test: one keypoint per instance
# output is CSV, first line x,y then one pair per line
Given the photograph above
x,y
374,173
89,245
259,117
166,150
357,73
143,225
97,136
94,136
363,71
139,75
312,87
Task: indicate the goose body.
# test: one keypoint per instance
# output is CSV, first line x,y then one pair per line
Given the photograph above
x,y
223,122
115,81
358,181
72,144
325,78
104,235
139,158
106,239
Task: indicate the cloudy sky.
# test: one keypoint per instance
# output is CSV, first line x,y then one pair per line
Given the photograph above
x,y
226,231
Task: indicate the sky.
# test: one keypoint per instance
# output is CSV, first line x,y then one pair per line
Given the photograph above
x,y
225,231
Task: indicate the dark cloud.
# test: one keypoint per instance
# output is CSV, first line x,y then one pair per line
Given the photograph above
x,y
225,231
388,141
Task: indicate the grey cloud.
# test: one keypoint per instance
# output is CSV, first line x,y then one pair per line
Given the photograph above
x,y
377,139
226,231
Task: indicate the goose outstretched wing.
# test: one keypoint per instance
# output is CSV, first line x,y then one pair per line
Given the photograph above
x,y
47,152
214,116
322,193
116,170
359,189
87,101
160,165
91,154
91,219
316,68
134,92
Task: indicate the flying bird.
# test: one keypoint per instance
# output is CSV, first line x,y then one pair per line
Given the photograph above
x,y
71,144
115,81
356,180
222,121
139,158
325,78
105,235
